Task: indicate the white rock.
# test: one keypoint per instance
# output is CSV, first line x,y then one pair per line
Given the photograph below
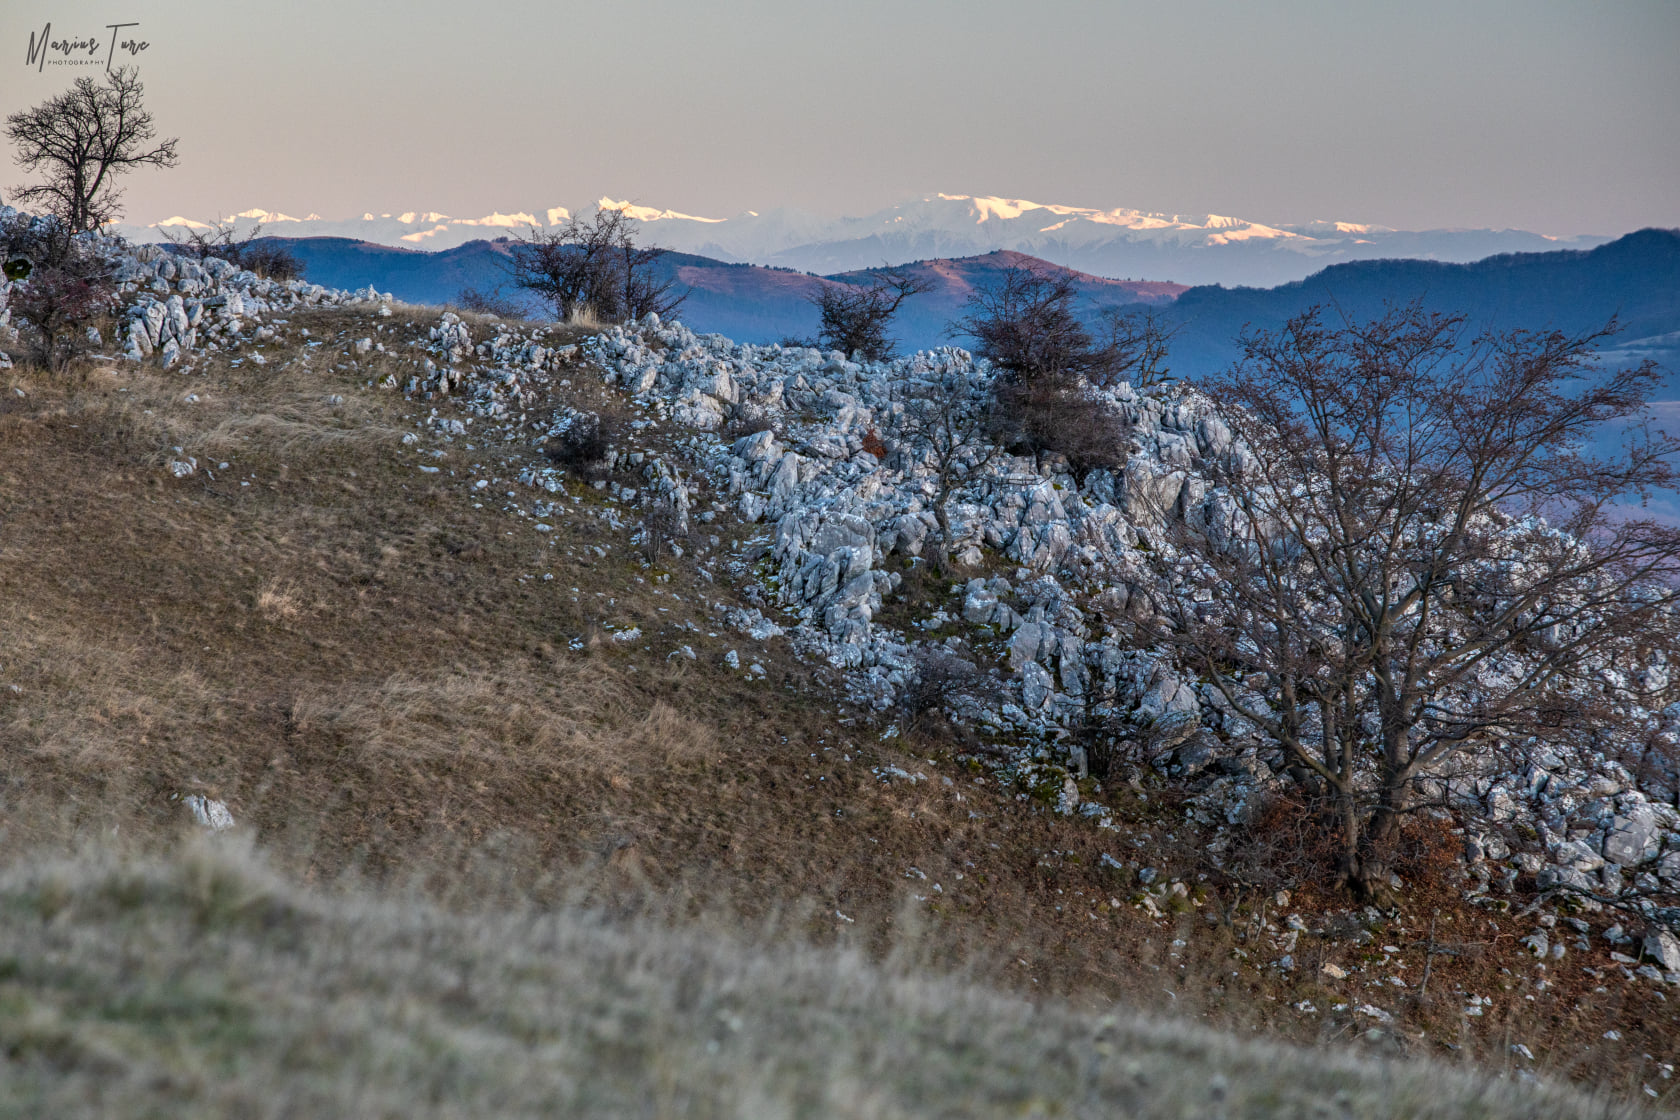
x,y
207,813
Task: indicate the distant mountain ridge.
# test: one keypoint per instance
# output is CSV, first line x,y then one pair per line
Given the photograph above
x,y
749,303
1116,242
1635,278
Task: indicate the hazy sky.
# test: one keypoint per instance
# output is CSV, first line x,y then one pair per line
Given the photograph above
x,y
1556,117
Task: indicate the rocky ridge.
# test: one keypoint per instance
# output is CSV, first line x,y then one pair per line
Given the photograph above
x,y
1085,556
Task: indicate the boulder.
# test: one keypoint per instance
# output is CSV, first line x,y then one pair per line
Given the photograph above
x,y
1664,948
979,602
1632,839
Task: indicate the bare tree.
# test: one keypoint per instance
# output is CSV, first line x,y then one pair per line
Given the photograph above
x,y
1029,328
644,291
82,140
1420,562
664,528
1136,347
938,676
1028,325
943,423
593,267
565,266
856,317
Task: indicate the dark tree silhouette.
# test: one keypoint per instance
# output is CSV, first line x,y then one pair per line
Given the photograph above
x,y
1028,327
82,140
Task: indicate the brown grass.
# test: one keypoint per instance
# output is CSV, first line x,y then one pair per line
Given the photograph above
x,y
508,720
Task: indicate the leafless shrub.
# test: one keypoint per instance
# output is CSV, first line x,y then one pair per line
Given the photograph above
x,y
266,258
746,421
943,422
583,444
57,306
1057,414
493,302
662,527
938,677
271,260
594,267
1107,741
856,317
1290,838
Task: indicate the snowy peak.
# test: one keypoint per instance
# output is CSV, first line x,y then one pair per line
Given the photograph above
x,y
649,214
273,217
1119,242
1049,217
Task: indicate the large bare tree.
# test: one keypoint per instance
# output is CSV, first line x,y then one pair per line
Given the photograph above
x,y
1421,560
82,140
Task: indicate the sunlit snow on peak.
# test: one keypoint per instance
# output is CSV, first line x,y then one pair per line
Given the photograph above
x,y
649,214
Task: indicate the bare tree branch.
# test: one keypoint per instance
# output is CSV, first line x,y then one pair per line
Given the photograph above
x,y
82,140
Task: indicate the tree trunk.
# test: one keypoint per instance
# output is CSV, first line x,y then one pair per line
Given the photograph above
x,y
942,551
1348,863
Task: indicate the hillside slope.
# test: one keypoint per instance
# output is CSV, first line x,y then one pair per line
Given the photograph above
x,y
320,574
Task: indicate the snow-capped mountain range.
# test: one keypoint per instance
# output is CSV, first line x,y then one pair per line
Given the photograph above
x,y
1120,242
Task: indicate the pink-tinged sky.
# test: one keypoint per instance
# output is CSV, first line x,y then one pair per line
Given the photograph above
x,y
1554,117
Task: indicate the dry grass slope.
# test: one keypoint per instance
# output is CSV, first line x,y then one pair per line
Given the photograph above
x,y
205,986
363,660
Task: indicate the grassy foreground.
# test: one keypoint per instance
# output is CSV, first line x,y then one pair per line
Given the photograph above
x,y
203,985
